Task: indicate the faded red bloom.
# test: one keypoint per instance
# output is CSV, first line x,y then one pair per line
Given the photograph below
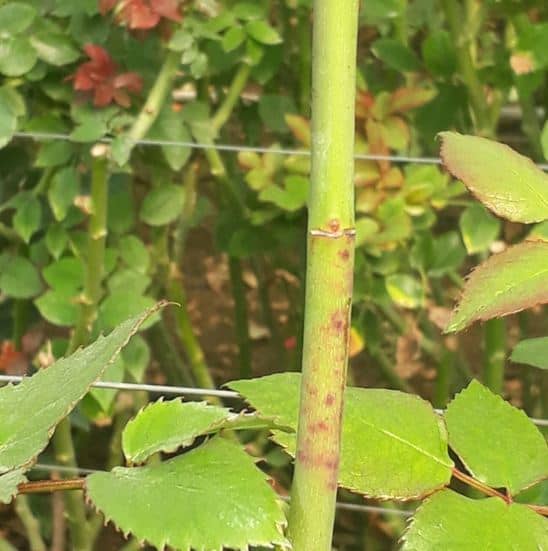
x,y
290,343
99,76
12,361
141,14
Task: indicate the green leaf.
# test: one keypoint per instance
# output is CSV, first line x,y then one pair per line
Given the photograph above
x,y
170,126
56,240
19,278
122,304
66,274
532,352
136,356
54,48
395,55
63,189
121,148
247,10
450,521
506,182
128,278
209,498
167,426
30,410
437,257
91,129
383,453
498,443
293,196
16,17
233,38
479,228
134,253
58,307
8,121
438,53
104,397
17,56
273,109
405,290
181,40
504,284
262,32
54,153
365,227
8,484
28,218
162,205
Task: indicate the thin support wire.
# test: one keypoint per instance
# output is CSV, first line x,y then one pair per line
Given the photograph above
x,y
186,391
44,136
45,467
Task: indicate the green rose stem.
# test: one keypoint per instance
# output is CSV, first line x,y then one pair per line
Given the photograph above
x,y
30,522
176,290
94,266
233,200
494,354
156,97
530,120
329,277
463,41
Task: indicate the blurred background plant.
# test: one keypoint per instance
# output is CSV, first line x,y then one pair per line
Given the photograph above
x,y
116,191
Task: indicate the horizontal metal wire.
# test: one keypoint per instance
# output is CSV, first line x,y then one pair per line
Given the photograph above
x,y
45,467
45,136
186,391
160,389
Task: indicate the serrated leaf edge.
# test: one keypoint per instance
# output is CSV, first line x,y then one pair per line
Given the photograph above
x,y
452,328
26,465
284,543
477,194
465,461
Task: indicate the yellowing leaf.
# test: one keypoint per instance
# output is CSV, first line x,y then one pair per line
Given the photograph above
x,y
503,180
506,283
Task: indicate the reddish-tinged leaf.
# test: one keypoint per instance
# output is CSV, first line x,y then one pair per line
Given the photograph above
x,y
167,8
104,94
140,15
505,181
377,145
101,57
106,5
12,361
132,81
121,98
405,99
506,283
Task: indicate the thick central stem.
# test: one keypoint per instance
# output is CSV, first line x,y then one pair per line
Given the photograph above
x,y
329,276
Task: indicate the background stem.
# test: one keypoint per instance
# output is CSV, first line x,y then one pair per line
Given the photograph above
x,y
94,265
495,354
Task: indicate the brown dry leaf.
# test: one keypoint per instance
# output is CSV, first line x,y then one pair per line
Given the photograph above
x,y
216,274
288,277
408,361
258,332
522,63
439,316
250,279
